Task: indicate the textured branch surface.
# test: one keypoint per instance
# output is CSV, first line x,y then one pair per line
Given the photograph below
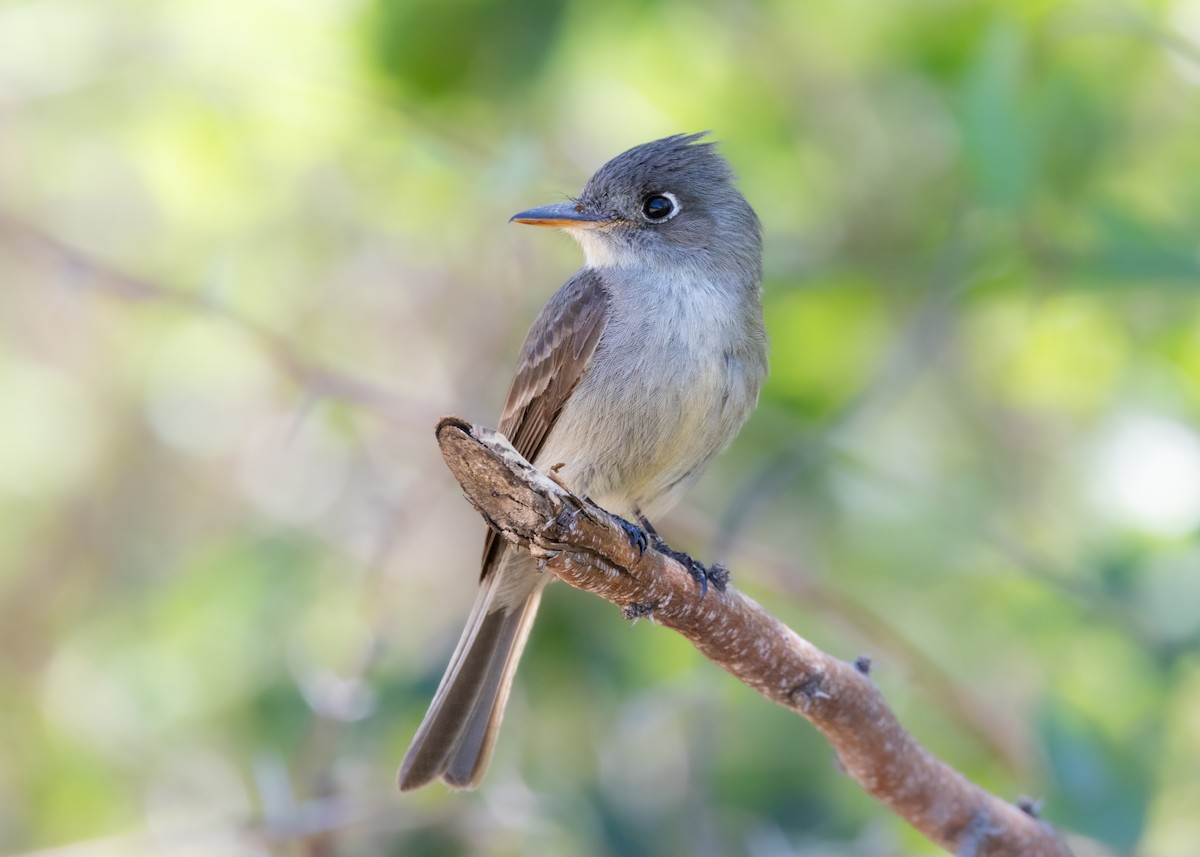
x,y
587,548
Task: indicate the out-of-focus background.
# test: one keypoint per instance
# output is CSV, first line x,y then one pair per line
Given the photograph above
x,y
249,252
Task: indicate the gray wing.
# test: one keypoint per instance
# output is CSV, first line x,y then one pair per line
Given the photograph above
x,y
555,356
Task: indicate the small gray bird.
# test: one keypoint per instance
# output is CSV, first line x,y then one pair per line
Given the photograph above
x,y
639,370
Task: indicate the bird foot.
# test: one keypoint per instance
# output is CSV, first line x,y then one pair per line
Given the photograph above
x,y
635,534
718,575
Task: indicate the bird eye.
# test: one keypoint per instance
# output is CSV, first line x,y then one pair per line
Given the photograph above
x,y
660,206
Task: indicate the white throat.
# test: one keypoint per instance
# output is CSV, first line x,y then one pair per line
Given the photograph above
x,y
599,252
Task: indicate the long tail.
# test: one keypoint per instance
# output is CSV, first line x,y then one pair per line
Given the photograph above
x,y
456,738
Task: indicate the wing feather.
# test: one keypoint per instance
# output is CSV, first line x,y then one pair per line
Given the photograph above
x,y
554,358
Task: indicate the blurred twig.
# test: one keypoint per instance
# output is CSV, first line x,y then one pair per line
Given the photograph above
x,y
314,767
320,382
592,551
309,825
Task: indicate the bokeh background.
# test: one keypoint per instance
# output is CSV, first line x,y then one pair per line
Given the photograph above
x,y
250,251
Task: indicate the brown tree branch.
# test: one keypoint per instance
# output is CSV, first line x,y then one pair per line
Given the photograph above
x,y
587,548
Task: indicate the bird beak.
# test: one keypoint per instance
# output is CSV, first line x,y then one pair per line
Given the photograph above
x,y
564,215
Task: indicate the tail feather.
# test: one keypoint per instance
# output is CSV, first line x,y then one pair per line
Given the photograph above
x,y
457,736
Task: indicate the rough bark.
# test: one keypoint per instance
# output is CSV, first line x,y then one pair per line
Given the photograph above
x,y
588,548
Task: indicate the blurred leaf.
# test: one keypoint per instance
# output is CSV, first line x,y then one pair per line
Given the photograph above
x,y
1132,253
1101,783
825,343
1000,139
498,47
1076,130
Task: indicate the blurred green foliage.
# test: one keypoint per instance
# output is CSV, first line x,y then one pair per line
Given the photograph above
x,y
250,252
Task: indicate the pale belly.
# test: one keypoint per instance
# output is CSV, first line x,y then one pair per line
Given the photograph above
x,y
634,439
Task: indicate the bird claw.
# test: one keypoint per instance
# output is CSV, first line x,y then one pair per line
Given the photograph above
x,y
717,575
635,534
699,574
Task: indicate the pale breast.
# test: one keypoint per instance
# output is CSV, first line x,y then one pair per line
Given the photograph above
x,y
675,376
